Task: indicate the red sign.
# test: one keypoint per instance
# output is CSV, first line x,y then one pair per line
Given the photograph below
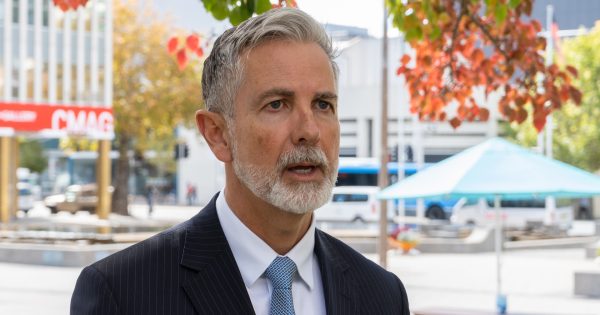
x,y
95,122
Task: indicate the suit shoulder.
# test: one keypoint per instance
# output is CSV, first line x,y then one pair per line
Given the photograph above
x,y
360,265
164,244
383,288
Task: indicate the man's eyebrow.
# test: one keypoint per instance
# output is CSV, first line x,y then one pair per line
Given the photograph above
x,y
275,92
326,95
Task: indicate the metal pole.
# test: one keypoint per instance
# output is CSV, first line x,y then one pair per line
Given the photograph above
x,y
401,140
4,178
419,159
549,61
103,179
383,171
103,174
500,298
550,216
14,143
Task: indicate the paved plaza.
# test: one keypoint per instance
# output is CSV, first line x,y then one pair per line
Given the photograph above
x,y
536,281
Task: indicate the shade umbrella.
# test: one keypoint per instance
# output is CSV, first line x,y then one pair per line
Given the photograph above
x,y
497,169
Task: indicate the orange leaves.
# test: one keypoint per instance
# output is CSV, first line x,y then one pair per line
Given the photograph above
x,y
285,3
575,95
455,122
572,71
482,44
182,59
181,49
66,5
477,57
192,42
172,45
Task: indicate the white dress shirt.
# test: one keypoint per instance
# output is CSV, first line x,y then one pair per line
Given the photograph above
x,y
253,256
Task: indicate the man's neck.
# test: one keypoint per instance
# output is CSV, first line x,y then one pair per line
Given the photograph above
x,y
280,229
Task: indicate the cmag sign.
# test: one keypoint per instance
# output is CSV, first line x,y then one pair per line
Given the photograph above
x,y
57,120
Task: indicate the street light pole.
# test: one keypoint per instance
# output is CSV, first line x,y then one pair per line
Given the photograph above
x,y
383,171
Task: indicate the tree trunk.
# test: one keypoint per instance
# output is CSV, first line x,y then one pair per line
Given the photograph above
x,y
120,195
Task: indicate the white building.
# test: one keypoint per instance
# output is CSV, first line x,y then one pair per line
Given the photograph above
x,y
55,75
359,102
360,63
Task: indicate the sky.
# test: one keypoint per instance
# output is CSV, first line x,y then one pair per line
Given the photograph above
x,y
190,14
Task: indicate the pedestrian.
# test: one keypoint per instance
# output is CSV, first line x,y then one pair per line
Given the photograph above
x,y
149,193
585,211
189,194
270,93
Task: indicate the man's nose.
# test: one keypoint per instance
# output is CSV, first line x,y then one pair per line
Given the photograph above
x,y
307,128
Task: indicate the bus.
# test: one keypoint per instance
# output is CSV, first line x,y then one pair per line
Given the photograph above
x,y
364,172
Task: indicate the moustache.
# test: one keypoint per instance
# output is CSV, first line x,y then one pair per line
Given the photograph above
x,y
303,154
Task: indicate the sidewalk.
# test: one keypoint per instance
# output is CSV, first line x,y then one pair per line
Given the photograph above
x,y
536,281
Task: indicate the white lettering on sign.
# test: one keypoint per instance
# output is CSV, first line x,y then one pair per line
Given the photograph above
x,y
20,116
82,121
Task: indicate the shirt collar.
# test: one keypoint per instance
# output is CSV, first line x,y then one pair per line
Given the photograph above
x,y
253,255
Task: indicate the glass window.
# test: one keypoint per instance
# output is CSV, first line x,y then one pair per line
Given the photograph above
x,y
350,197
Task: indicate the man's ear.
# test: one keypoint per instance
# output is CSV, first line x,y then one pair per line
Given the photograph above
x,y
214,129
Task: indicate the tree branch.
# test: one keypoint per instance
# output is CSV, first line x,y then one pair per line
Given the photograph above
x,y
450,51
487,34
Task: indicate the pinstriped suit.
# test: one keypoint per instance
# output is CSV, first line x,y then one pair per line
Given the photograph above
x,y
190,269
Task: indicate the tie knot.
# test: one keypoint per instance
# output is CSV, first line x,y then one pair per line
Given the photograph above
x,y
281,272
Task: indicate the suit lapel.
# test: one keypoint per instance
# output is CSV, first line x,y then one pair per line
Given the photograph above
x,y
217,287
339,291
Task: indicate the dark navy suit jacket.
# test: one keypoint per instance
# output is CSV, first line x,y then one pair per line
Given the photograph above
x,y
190,269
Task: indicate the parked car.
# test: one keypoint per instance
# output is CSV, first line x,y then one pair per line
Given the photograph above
x,y
352,203
76,198
515,213
26,197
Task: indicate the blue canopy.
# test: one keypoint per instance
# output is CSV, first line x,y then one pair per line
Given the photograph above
x,y
496,168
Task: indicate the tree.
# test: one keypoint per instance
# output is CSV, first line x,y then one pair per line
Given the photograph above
x,y
239,11
31,156
151,95
460,45
576,137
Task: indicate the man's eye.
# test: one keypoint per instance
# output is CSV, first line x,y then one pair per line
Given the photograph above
x,y
324,105
275,105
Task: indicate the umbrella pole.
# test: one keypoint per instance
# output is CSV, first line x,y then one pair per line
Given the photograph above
x,y
500,298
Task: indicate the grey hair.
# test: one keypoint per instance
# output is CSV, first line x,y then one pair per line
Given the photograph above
x,y
223,69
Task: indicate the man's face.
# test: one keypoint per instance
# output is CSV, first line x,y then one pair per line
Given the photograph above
x,y
285,130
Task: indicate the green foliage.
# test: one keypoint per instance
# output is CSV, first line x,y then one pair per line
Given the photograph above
x,y
236,11
577,133
240,10
31,156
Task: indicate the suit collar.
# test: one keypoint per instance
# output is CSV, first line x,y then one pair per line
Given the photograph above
x,y
339,290
206,251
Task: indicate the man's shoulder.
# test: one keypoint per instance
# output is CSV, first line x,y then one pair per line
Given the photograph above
x,y
378,290
350,256
164,244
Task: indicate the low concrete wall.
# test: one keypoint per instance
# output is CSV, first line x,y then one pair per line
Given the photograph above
x,y
480,240
57,255
593,250
587,283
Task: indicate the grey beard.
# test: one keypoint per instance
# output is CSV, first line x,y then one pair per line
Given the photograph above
x,y
298,198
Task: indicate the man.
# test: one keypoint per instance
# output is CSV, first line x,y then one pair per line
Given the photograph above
x,y
269,87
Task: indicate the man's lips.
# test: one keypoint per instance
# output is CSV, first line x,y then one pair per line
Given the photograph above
x,y
303,168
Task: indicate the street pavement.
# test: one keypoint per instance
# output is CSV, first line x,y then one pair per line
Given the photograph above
x,y
536,281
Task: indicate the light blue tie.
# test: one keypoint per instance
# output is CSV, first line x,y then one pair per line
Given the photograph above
x,y
281,274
